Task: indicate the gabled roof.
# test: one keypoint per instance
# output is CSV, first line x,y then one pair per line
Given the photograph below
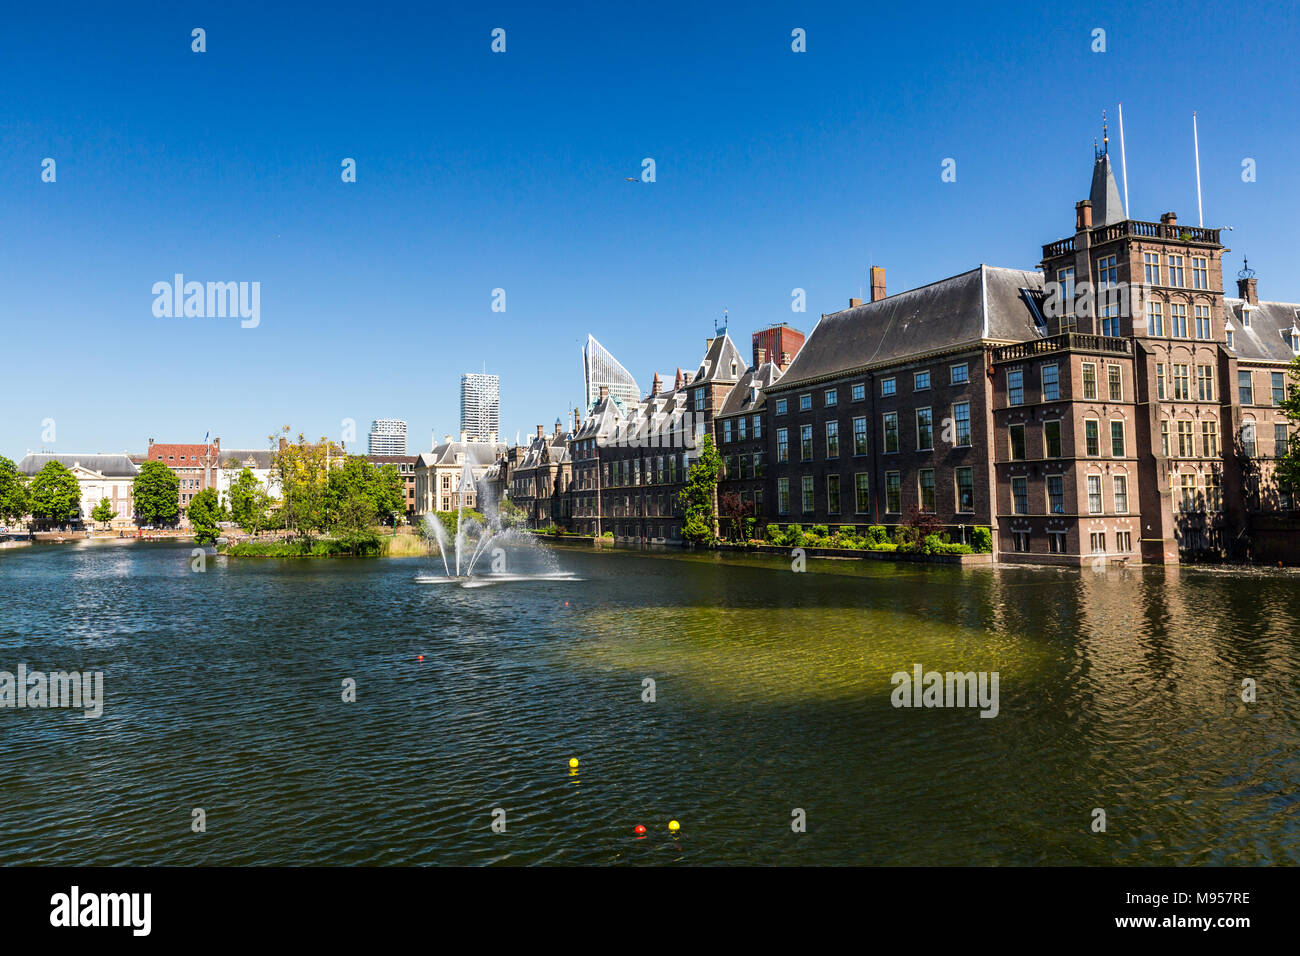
x,y
739,400
1263,341
988,304
722,362
259,458
110,466
172,454
477,453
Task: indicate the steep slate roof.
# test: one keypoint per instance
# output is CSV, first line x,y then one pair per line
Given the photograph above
x,y
477,453
738,400
986,304
719,360
247,457
1107,207
110,466
1263,340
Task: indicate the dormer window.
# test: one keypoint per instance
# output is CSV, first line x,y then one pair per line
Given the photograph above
x,y
1245,316
1292,336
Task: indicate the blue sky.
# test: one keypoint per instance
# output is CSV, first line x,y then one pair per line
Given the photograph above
x,y
476,171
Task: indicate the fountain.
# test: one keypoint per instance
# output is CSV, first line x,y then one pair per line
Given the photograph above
x,y
463,552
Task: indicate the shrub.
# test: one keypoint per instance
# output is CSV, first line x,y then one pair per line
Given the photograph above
x,y
877,534
819,531
983,540
794,537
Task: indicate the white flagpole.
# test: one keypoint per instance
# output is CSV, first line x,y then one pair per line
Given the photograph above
x,y
1200,216
1123,161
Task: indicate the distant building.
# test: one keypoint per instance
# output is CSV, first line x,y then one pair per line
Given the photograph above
x,y
235,460
405,465
438,473
601,370
388,437
100,477
480,405
196,466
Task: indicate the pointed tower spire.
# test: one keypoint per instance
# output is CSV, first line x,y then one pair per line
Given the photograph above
x,y
1107,206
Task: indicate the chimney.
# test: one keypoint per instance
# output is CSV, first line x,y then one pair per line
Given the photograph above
x,y
877,283
492,437
447,439
760,356
1169,218
1083,215
708,344
577,419
654,388
854,303
686,377
558,428
539,431
785,361
1246,289
464,436
604,392
677,382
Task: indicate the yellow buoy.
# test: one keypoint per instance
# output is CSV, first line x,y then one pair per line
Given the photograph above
x,y
674,826
573,762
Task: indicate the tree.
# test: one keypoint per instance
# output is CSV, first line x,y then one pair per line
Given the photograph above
x,y
104,511
699,523
737,515
204,512
300,468
352,496
1288,469
388,489
54,496
157,495
249,502
13,491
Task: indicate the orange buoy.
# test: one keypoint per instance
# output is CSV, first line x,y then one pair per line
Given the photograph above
x,y
639,830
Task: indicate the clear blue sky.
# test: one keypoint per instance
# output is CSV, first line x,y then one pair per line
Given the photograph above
x,y
477,170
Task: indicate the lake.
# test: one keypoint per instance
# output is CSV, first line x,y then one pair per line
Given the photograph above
x,y
223,690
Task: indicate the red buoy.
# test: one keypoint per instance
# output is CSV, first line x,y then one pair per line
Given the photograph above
x,y
639,830
421,658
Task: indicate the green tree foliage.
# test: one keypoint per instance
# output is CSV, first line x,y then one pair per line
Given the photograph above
x,y
13,491
104,511
1288,469
157,495
301,469
699,522
54,497
388,489
249,503
352,496
204,512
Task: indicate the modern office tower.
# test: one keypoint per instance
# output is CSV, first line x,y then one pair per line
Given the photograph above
x,y
480,406
599,368
388,436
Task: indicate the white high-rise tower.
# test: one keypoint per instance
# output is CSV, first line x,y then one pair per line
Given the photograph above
x,y
480,406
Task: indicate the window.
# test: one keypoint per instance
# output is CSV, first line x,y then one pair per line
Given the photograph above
x,y
1107,275
861,490
726,430
1015,387
1210,439
1182,388
1231,344
1114,383
1178,320
758,426
1279,388
1205,382
961,423
1065,279
782,444
1091,438
1098,542
1020,495
1020,540
1056,542
1188,498
891,432
1017,433
1200,274
924,429
1248,439
859,392
1089,380
1056,494
925,483
1280,440
1186,448
1160,382
888,386
959,374
1203,322
808,504
1156,318
1151,267
1164,438
1052,438
1245,388
965,478
1051,383
699,399
1117,439
805,443
921,381
783,496
833,494
805,402
1094,494
781,406
1121,495
893,496
860,435
1176,276
742,428
831,398
1213,493
832,439
1123,541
